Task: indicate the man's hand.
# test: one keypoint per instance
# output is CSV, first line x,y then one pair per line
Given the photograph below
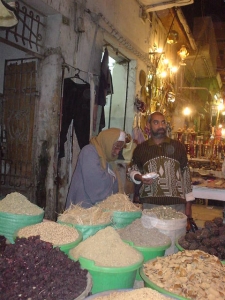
x,y
191,225
147,181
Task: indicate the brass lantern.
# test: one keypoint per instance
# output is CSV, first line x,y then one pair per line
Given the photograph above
x,y
183,53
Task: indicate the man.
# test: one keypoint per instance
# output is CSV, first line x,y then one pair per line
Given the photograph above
x,y
168,159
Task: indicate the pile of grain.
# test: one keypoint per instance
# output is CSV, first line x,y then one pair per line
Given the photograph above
x,y
85,216
164,213
141,294
16,203
51,232
143,237
106,249
192,274
118,202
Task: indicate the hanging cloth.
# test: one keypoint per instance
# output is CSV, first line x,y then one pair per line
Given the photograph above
x,y
137,133
76,107
105,86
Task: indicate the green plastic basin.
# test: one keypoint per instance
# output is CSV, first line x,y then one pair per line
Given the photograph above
x,y
149,253
87,230
178,245
122,219
11,223
110,278
152,285
66,247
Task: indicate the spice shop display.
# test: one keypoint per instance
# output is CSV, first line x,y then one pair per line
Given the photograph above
x,y
33,269
188,274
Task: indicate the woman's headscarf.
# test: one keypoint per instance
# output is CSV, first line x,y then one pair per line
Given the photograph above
x,y
104,143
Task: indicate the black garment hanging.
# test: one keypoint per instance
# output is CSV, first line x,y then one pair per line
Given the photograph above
x,y
105,86
76,107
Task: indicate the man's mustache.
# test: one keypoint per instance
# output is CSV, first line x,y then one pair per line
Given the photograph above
x,y
161,130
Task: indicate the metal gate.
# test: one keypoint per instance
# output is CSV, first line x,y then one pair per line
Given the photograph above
x,y
17,125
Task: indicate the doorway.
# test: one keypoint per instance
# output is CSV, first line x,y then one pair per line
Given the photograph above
x,y
17,127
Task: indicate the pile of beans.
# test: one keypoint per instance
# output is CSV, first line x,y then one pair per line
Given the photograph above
x,y
51,232
33,269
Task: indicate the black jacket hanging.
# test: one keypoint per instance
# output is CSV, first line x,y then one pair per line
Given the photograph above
x,y
105,86
76,107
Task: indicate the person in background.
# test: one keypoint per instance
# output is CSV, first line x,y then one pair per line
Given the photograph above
x,y
96,175
168,159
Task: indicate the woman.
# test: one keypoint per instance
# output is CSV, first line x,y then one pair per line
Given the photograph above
x,y
96,176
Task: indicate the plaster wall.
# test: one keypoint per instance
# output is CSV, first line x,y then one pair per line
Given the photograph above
x,y
80,43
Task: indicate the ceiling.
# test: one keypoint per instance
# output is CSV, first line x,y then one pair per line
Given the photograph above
x,y
171,21
155,5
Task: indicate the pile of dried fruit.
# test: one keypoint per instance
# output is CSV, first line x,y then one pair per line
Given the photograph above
x,y
33,269
210,239
51,232
76,214
192,274
118,202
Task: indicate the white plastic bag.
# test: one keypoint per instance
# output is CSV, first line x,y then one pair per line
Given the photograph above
x,y
172,228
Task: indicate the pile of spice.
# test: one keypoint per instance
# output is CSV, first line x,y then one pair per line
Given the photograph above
x,y
142,294
16,203
192,274
33,269
51,232
76,214
164,212
143,237
106,249
118,202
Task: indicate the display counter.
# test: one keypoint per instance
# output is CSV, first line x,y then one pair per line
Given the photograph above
x,y
213,189
208,193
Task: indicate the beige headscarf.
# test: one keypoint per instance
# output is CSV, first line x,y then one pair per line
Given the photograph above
x,y
103,144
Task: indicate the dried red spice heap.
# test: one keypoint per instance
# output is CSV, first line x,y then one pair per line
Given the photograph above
x,y
210,239
33,269
2,243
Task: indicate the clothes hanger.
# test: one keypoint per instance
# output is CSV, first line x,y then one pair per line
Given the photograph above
x,y
77,76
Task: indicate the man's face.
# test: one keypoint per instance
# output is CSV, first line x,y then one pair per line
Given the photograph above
x,y
158,126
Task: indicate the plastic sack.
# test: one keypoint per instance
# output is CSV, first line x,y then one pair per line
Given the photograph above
x,y
172,228
10,223
87,230
123,218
